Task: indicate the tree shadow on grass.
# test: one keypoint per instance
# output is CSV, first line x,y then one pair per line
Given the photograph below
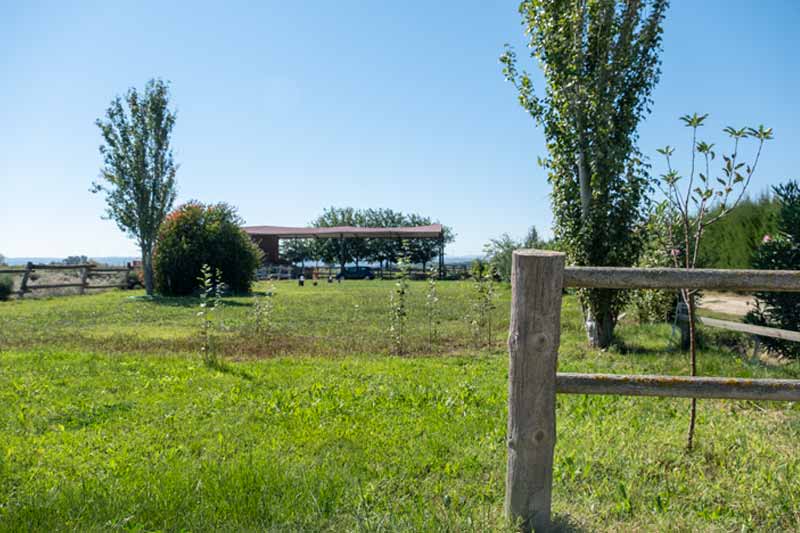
x,y
189,301
221,366
564,523
634,348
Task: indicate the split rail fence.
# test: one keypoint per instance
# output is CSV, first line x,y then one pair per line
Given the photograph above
x,y
538,280
87,272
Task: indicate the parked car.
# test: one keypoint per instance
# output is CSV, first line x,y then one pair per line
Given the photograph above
x,y
356,273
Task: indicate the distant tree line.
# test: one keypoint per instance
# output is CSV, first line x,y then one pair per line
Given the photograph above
x,y
498,252
358,250
733,241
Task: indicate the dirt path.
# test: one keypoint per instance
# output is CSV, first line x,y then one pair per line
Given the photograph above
x,y
729,303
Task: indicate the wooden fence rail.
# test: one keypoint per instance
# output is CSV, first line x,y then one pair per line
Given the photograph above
x,y
537,282
86,272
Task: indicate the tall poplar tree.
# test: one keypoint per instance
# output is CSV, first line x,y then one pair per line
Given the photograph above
x,y
600,60
138,174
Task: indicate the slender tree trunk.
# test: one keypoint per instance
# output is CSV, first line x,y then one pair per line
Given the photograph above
x,y
693,356
147,268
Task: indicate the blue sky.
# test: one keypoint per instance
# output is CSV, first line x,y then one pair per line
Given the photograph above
x,y
285,108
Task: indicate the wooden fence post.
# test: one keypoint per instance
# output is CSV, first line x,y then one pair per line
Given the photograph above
x,y
84,279
534,336
23,284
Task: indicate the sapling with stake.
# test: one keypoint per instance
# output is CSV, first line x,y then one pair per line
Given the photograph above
x,y
483,302
704,201
432,308
263,319
398,309
211,289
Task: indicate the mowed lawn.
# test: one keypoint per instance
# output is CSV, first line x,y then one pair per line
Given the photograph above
x,y
109,421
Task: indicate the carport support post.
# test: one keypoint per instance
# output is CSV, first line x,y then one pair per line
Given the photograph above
x,y
84,279
23,284
534,336
341,252
441,257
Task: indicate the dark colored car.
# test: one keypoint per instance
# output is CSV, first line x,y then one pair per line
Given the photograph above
x,y
356,273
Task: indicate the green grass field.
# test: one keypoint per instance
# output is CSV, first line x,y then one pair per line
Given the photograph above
x,y
109,421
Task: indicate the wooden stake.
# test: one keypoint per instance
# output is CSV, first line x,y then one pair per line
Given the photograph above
x,y
534,336
84,279
23,285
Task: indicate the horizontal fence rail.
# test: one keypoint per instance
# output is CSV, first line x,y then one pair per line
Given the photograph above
x,y
787,390
679,278
537,282
86,272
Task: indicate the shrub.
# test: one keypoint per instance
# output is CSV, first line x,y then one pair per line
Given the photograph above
x,y
650,306
6,287
196,234
780,252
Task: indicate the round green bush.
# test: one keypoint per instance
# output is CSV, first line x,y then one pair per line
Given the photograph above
x,y
6,287
196,234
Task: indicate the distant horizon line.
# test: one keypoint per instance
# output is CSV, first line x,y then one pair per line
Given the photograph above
x,y
123,259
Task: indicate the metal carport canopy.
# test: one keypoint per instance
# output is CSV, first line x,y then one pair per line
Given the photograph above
x,y
412,232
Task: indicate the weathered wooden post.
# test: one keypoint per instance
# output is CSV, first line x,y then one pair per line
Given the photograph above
x,y
23,284
534,336
84,278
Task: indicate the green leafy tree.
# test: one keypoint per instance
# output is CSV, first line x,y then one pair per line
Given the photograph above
x,y
732,242
383,251
75,260
696,201
532,239
654,305
138,174
298,250
341,252
780,251
601,62
499,253
2,260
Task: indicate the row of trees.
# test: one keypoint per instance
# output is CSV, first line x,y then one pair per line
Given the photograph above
x,y
381,251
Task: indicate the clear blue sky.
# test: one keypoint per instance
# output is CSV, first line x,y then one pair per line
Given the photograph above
x,y
285,108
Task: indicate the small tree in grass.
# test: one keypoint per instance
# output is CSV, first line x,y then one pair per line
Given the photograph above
x,y
432,307
398,310
483,302
138,175
263,313
499,251
780,252
694,202
211,289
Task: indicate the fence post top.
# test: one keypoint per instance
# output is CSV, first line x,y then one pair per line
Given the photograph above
x,y
528,252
